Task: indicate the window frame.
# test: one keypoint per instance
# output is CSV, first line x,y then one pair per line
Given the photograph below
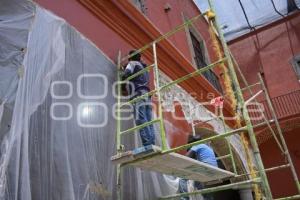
x,y
198,36
202,50
192,30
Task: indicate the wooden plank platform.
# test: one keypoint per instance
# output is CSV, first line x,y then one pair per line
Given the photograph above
x,y
172,164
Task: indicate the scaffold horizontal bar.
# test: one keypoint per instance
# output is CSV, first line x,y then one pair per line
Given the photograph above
x,y
139,98
140,126
214,189
263,123
166,35
223,135
267,170
250,86
139,72
253,97
195,73
223,157
277,167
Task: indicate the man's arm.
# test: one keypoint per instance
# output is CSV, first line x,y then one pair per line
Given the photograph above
x,y
128,71
191,154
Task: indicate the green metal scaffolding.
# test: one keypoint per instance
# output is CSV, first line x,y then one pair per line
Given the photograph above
x,y
249,127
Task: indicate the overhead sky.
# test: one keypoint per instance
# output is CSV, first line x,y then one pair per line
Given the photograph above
x,y
259,13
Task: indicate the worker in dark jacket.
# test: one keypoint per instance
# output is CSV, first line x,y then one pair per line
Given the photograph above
x,y
203,153
137,87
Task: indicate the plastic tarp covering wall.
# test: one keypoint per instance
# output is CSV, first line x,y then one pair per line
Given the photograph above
x,y
259,13
13,38
62,130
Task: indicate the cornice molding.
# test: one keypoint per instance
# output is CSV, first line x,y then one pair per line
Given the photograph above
x,y
132,26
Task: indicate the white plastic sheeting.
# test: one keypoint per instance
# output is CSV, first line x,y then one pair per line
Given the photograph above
x,y
13,36
57,130
259,13
58,142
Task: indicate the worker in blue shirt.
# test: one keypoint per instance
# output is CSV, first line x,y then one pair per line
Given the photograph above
x,y
203,153
137,87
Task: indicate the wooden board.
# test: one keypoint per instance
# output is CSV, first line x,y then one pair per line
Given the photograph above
x,y
173,164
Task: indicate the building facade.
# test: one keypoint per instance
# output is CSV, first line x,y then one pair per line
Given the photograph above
x,y
273,51
66,159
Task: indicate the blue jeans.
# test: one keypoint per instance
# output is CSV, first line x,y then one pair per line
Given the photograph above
x,y
183,188
143,114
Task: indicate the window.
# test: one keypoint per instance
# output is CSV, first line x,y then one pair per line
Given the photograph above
x,y
199,51
140,4
296,65
201,61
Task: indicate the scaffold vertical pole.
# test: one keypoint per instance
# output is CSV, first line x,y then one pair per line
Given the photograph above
x,y
240,98
118,131
159,100
274,116
248,87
